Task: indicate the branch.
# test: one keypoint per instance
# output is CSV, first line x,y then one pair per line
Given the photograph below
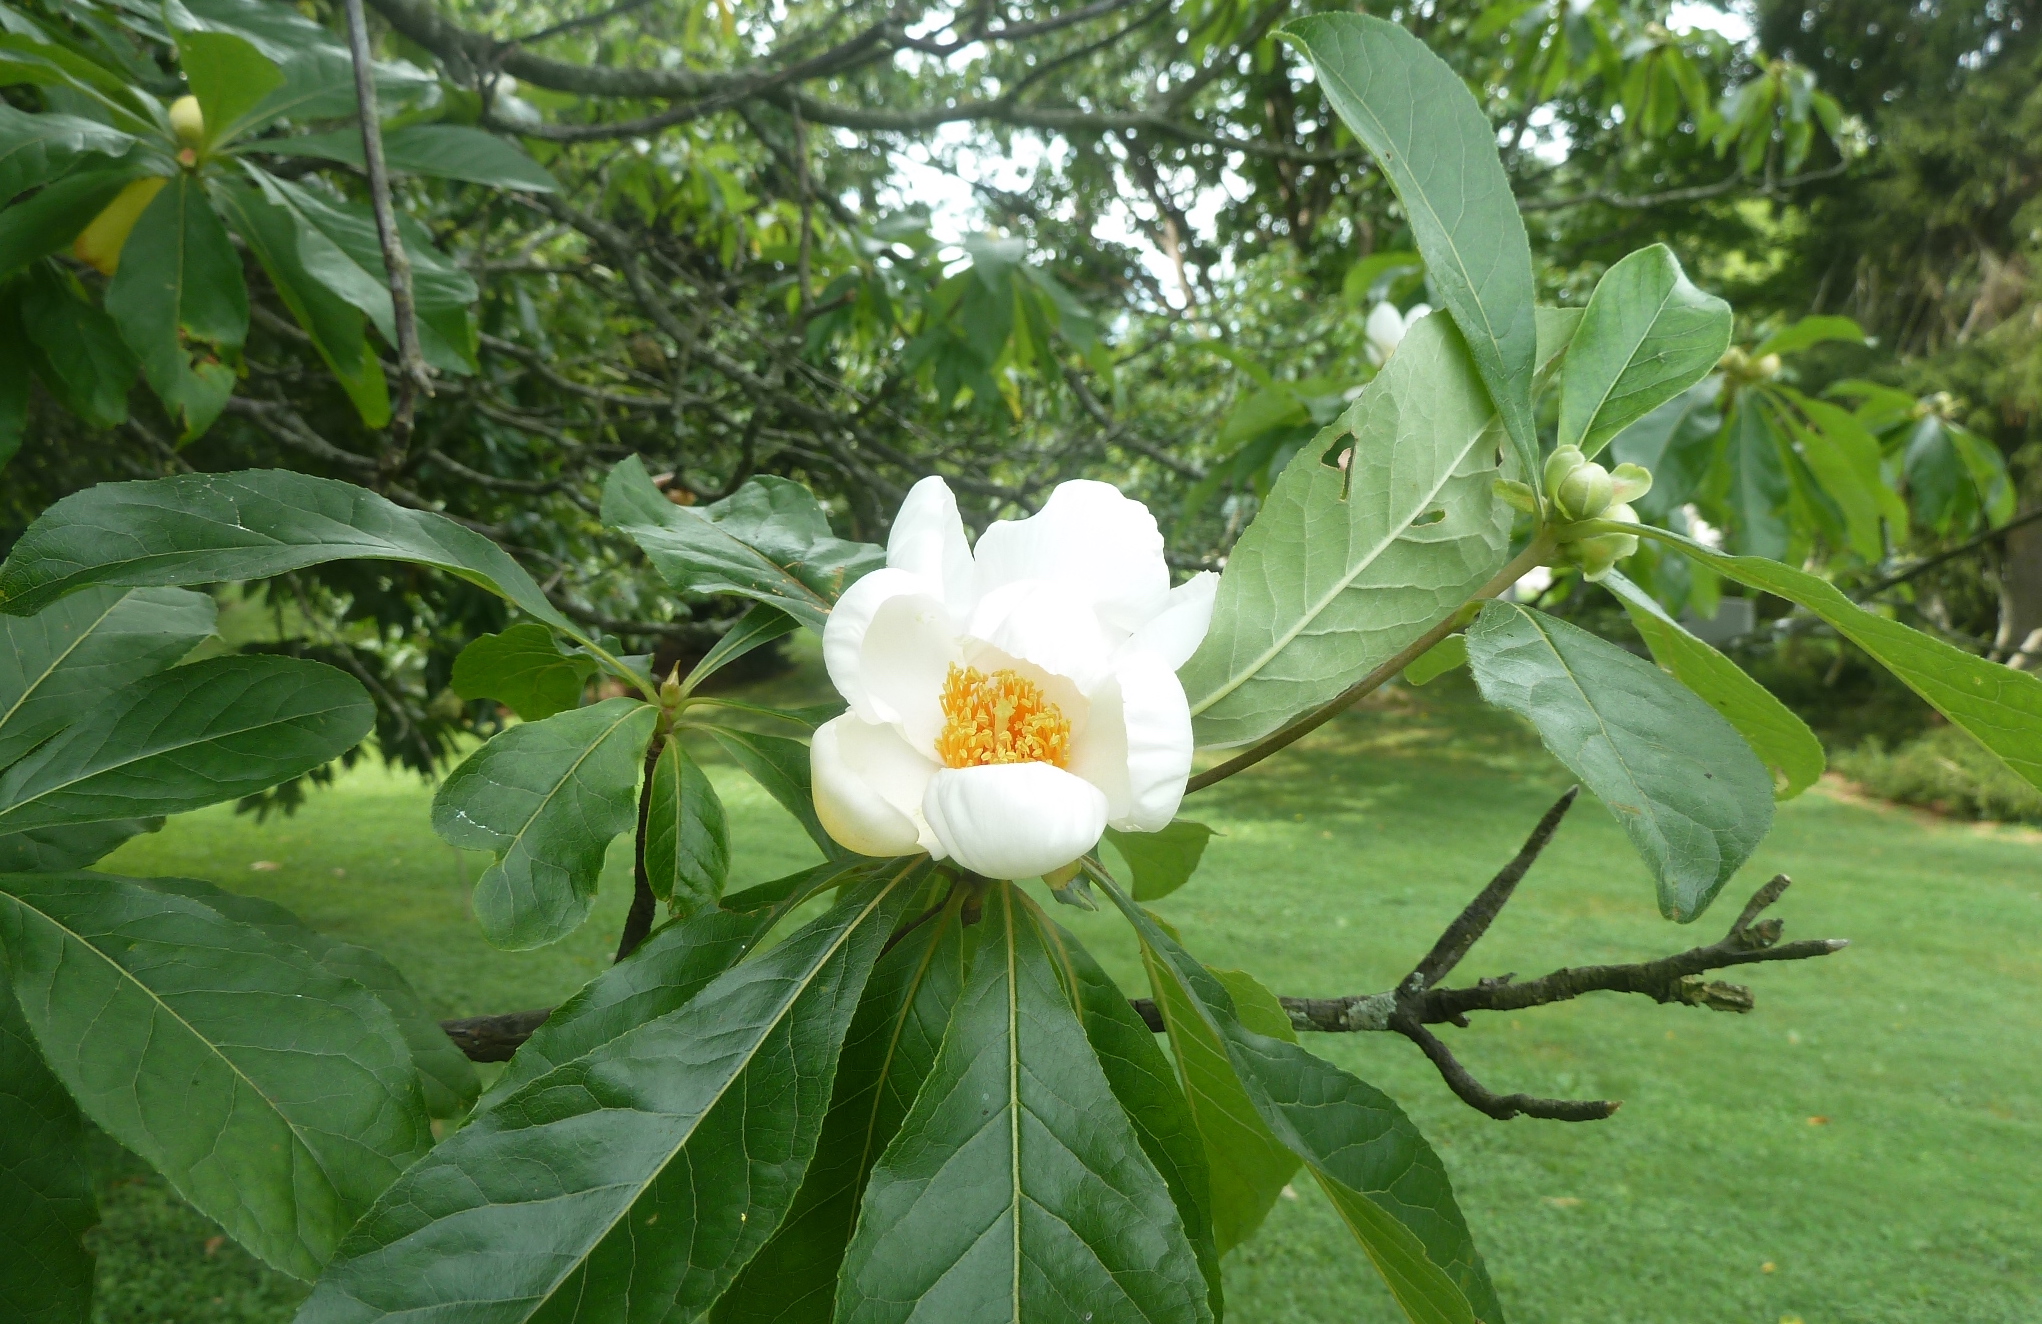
x,y
1696,193
412,375
1929,563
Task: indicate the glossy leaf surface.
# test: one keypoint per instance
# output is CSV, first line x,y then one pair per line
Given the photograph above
x,y
62,849
275,1096
780,765
1016,1189
635,1181
546,799
1647,335
181,304
1693,798
524,668
445,151
687,837
58,663
210,528
770,541
35,149
887,1055
185,738
447,1079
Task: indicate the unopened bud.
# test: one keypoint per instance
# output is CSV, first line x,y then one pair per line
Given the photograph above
x,y
1584,493
188,122
1769,366
1628,482
1560,463
670,688
1598,555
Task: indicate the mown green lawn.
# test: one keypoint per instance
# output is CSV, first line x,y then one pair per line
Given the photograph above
x,y
1866,1147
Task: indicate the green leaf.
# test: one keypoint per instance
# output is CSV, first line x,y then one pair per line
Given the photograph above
x,y
66,659
523,667
35,149
1384,1179
1647,335
1846,458
1758,478
80,354
279,236
1142,1079
275,1096
687,838
1248,1166
1687,789
780,765
2001,707
52,218
14,348
319,84
1436,661
46,1202
189,737
640,1177
62,849
1161,862
445,151
446,1077
350,263
1781,740
213,528
25,59
1341,569
1438,150
888,1053
760,625
546,799
770,541
1677,443
674,963
181,305
230,78
1810,331
1016,1187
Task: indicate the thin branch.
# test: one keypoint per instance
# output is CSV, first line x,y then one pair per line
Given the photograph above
x,y
1469,926
1961,549
412,374
1695,193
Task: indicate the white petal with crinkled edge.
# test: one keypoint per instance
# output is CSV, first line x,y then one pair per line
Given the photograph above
x,y
1174,633
867,687
1040,622
927,540
1092,542
1157,760
869,787
1014,820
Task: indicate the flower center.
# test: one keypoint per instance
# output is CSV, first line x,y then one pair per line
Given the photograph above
x,y
999,718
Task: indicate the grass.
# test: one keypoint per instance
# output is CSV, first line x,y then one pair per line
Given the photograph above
x,y
1863,1148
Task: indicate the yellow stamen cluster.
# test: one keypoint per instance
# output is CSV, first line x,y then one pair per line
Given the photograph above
x,y
999,718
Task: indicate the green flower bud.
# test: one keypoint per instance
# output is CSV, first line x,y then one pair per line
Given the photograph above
x,y
1560,463
670,688
1597,555
1628,482
188,122
1585,492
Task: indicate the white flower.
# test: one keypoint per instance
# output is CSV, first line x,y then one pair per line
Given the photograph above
x,y
1385,329
1009,703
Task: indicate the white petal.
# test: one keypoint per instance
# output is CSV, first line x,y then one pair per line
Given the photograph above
x,y
887,644
1014,820
928,541
1040,622
868,787
1175,632
1090,540
1137,746
1384,330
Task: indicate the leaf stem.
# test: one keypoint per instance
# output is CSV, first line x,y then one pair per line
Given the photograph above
x,y
1540,549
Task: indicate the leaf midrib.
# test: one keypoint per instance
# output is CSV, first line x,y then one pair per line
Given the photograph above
x,y
812,597
796,991
157,752
1398,528
1631,359
588,752
28,691
123,973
